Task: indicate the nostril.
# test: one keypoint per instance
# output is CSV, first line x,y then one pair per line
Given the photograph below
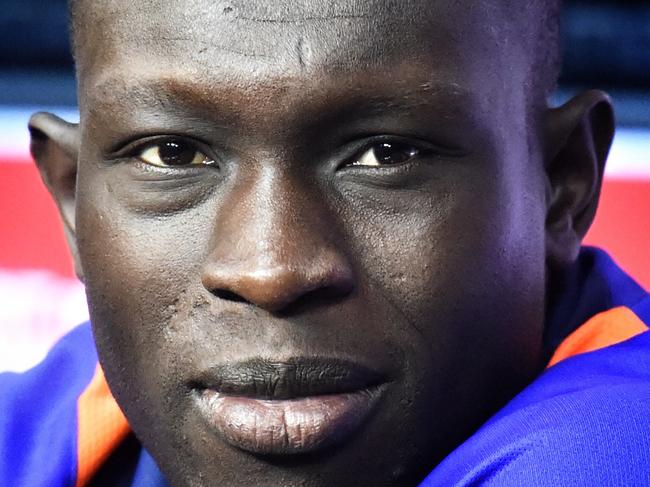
x,y
328,293
229,296
315,298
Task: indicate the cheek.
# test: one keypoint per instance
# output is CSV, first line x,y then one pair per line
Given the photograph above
x,y
136,268
477,243
466,269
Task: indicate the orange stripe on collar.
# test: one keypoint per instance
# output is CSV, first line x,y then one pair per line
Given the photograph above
x,y
607,328
101,427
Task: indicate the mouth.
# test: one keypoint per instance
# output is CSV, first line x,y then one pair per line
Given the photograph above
x,y
290,407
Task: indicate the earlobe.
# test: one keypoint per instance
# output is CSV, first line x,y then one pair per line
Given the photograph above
x,y
55,148
578,138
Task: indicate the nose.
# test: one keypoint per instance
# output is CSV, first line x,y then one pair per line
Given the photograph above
x,y
274,245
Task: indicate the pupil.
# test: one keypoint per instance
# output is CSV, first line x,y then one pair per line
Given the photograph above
x,y
176,154
393,153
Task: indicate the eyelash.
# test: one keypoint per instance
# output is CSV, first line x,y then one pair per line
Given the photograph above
x,y
135,150
422,150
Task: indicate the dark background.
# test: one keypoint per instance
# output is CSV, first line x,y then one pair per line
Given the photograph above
x,y
606,44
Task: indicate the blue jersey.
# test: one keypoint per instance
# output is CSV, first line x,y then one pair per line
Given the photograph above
x,y
584,421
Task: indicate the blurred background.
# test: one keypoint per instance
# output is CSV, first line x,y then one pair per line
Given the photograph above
x,y
606,45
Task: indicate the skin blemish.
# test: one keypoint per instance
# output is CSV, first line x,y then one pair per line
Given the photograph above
x,y
201,301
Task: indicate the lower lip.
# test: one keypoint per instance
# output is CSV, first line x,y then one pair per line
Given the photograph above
x,y
281,427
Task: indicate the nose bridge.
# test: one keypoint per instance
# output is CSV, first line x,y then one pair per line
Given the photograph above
x,y
274,243
270,220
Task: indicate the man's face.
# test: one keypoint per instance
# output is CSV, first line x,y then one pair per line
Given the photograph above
x,y
312,232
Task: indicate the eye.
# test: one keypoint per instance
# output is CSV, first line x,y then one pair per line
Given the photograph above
x,y
173,153
387,154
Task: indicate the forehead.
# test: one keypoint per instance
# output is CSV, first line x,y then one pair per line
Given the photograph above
x,y
288,34
289,46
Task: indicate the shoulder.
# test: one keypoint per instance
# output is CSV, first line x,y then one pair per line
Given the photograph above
x,y
585,421
38,413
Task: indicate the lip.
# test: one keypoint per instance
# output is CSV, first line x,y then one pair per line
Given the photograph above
x,y
288,407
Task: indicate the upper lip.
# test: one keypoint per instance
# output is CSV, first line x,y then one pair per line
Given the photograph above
x,y
296,377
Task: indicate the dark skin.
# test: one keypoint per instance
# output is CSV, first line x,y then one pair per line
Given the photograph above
x,y
352,182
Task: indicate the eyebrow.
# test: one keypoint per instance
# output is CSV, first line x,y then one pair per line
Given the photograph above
x,y
219,100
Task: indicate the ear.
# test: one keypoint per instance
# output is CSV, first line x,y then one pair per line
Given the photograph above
x,y
579,135
55,148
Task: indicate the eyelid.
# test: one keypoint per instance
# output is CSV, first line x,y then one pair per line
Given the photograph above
x,y
423,149
134,147
422,142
